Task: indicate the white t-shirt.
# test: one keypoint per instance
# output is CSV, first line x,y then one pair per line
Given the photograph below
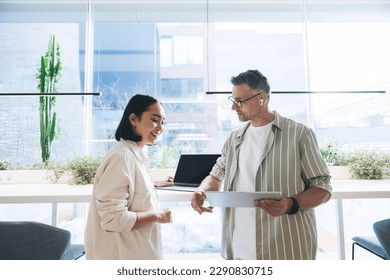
x,y
244,235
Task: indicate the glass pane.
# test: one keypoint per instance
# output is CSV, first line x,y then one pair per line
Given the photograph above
x,y
275,49
350,55
127,62
24,38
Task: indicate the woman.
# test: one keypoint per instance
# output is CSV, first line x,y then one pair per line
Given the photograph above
x,y
123,221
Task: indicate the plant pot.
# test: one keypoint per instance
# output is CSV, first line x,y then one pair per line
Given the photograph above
x,y
340,172
40,176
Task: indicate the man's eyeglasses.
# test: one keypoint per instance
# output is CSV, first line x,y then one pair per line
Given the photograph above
x,y
239,102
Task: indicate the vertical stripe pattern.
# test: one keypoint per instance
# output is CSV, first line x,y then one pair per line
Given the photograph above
x,y
290,161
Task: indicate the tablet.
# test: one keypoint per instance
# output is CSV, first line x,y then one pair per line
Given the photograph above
x,y
238,199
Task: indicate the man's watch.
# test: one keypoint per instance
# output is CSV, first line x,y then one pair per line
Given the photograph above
x,y
295,206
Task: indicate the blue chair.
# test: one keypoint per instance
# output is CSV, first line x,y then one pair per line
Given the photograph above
x,y
36,241
379,244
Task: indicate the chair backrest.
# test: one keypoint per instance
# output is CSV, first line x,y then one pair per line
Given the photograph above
x,y
32,241
382,232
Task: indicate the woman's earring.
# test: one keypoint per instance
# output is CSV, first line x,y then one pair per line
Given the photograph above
x,y
261,102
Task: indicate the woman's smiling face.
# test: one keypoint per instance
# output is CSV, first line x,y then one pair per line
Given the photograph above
x,y
149,125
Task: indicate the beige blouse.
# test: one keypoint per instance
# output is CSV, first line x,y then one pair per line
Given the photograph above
x,y
122,187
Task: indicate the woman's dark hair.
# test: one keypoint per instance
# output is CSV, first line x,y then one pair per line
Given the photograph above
x,y
254,79
137,105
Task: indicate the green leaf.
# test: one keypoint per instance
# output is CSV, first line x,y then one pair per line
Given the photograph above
x,y
53,127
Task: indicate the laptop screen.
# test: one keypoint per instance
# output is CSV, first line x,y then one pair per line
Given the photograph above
x,y
193,168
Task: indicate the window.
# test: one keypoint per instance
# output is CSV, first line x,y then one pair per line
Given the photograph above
x,y
24,36
180,51
177,52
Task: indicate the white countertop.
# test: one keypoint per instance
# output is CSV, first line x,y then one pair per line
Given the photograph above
x,y
56,193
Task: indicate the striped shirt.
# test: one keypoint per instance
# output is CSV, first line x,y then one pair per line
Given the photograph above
x,y
290,162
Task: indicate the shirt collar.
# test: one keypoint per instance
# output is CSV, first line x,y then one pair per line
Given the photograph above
x,y
137,151
277,123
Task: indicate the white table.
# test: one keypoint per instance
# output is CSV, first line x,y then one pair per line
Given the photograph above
x,y
354,189
64,193
45,193
61,193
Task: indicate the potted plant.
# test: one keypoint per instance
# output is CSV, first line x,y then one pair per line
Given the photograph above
x,y
4,165
337,160
370,165
48,76
82,170
79,171
23,174
358,164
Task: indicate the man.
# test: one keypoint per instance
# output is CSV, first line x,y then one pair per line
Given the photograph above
x,y
269,153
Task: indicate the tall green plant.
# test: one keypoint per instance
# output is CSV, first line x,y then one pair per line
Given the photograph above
x,y
48,76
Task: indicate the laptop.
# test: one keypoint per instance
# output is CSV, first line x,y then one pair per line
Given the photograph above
x,y
190,171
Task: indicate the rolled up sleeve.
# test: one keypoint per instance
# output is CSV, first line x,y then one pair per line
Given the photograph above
x,y
114,192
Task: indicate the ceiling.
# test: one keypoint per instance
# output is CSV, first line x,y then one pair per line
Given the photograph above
x,y
187,10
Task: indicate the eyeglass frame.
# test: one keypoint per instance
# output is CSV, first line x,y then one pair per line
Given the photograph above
x,y
239,102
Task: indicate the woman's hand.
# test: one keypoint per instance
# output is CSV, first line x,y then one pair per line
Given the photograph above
x,y
155,216
164,216
168,182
